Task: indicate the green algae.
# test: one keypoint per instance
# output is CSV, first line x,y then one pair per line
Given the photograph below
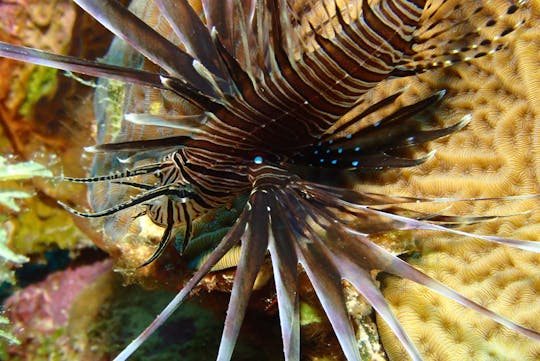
x,y
41,227
6,338
112,102
308,314
8,258
42,83
16,172
192,332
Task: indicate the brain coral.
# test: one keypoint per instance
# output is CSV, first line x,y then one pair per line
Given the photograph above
x,y
496,155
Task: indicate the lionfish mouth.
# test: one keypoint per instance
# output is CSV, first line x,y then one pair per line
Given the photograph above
x,y
268,88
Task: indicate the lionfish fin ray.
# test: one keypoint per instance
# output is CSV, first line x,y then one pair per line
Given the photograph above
x,y
394,128
233,21
196,38
405,223
166,238
363,282
285,267
400,268
78,65
189,227
454,31
228,242
136,200
353,116
318,264
254,246
145,169
183,124
127,26
347,245
380,199
138,145
368,147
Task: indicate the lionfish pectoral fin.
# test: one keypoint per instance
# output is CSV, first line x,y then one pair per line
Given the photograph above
x,y
385,261
347,246
230,240
341,254
252,254
405,223
196,38
388,221
451,33
285,268
147,41
321,269
360,277
450,221
81,66
378,199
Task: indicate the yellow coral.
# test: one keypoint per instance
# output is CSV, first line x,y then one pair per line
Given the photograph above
x,y
496,155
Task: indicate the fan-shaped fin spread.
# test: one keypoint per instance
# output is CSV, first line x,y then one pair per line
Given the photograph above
x,y
272,78
297,222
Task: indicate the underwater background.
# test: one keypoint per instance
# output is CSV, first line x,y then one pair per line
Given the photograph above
x,y
64,301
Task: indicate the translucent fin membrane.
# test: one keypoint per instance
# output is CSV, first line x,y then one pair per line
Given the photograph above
x,y
194,35
188,123
78,65
147,41
454,31
369,147
298,223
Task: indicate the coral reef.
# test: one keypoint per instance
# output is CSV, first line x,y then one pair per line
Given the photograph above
x,y
43,315
497,154
43,123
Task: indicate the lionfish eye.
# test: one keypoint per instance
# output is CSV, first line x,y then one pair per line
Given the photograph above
x,y
268,143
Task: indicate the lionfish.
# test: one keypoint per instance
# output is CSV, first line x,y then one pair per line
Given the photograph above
x,y
271,88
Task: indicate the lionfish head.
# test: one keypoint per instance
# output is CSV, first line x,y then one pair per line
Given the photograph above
x,y
266,96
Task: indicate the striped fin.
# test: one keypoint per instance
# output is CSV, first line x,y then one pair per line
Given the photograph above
x,y
150,43
232,21
79,65
454,31
368,147
226,244
177,192
194,35
146,169
298,222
